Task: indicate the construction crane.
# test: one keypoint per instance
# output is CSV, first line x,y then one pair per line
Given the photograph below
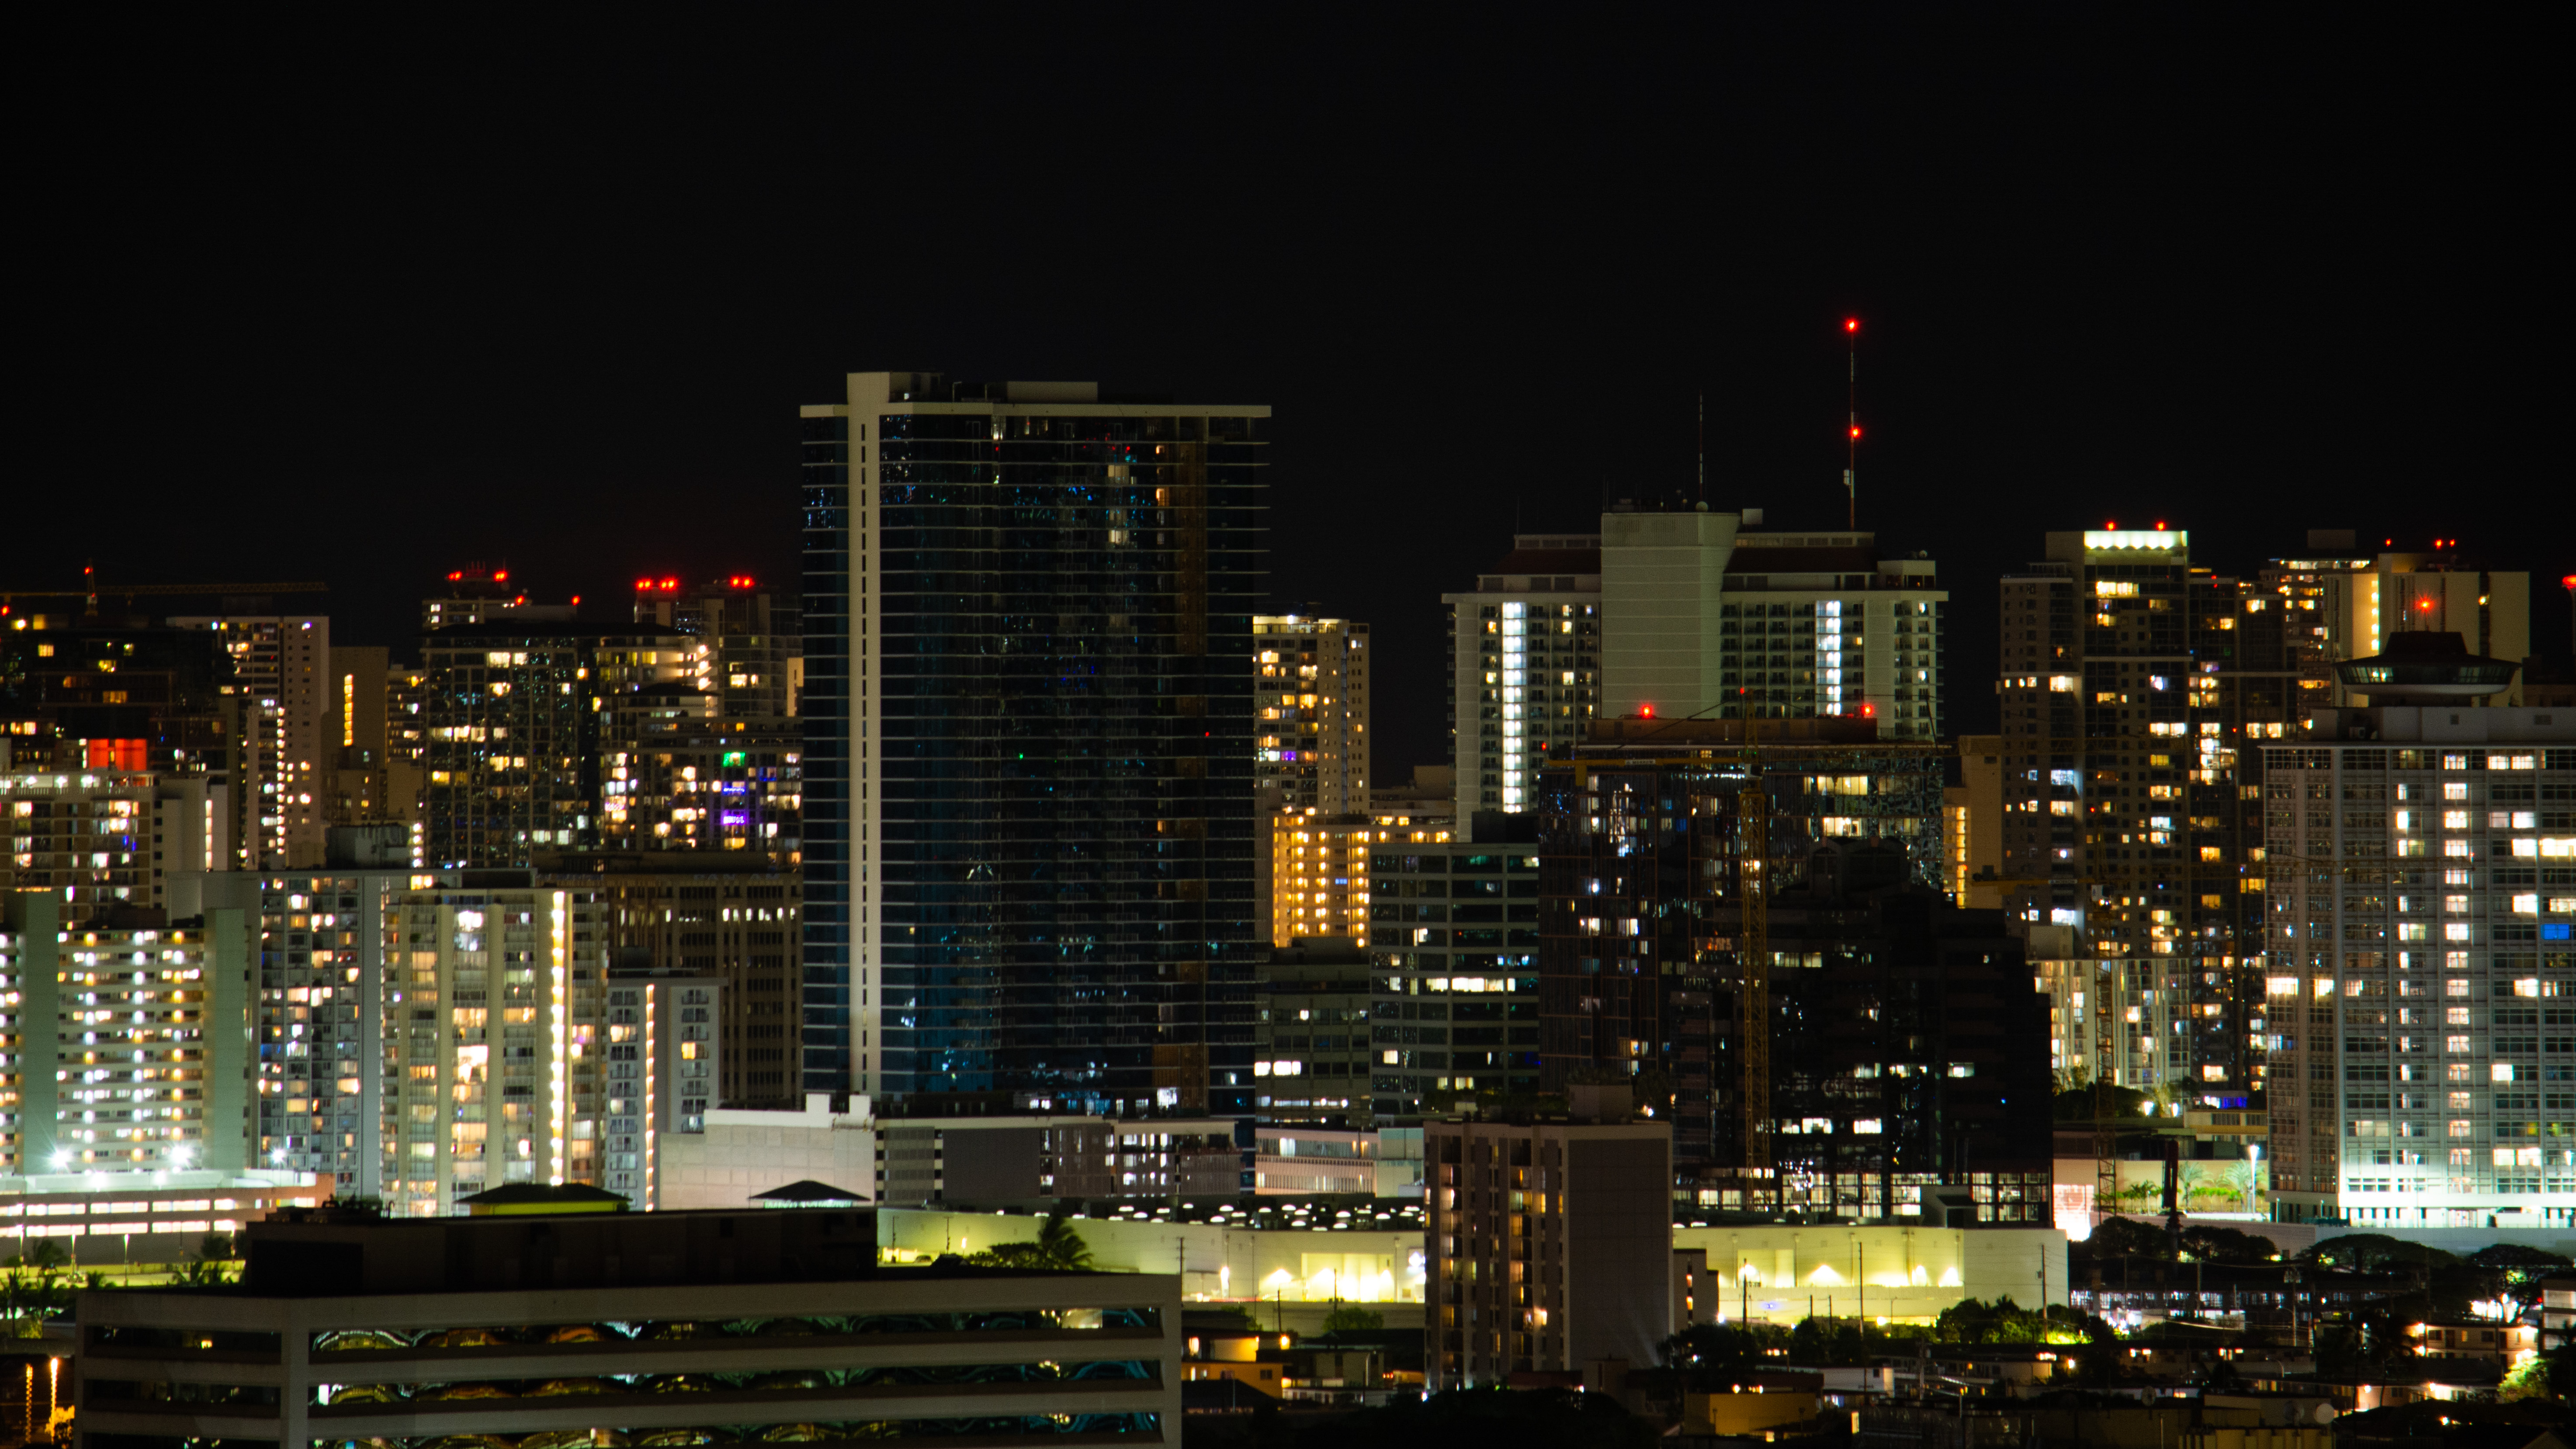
x,y
92,586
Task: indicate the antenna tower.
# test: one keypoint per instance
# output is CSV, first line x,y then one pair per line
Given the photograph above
x,y
1851,455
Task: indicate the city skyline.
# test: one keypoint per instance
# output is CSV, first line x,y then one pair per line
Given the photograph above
x,y
2105,271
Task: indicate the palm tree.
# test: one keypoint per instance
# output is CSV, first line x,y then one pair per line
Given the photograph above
x,y
1059,1245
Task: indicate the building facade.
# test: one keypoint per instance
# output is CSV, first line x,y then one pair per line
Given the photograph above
x,y
356,1329
1454,1017
1311,1057
751,665
1029,753
2423,983
320,1015
2137,693
495,1066
512,715
1524,667
120,1055
1311,696
663,1067
99,839
1642,841
1550,1247
728,916
282,689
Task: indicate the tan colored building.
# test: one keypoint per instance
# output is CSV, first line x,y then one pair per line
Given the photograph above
x,y
1972,824
496,1003
731,915
281,667
1550,1246
1319,875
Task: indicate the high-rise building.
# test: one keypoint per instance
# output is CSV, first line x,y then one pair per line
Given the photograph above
x,y
663,1050
1455,946
1311,1054
513,715
92,693
2344,604
1319,877
1641,840
1905,1049
734,917
751,663
1551,1245
1029,742
1972,820
367,783
98,839
2423,987
1524,667
119,1054
1684,615
2136,692
477,595
495,1060
705,788
1311,696
282,687
1710,615
321,1016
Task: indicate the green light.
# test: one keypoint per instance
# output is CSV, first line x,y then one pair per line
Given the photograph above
x,y
734,757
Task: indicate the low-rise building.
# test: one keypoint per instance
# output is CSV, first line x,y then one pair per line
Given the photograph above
x,y
590,1327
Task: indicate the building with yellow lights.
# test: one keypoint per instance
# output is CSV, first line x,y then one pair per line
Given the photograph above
x,y
281,683
114,1060
662,1051
1310,681
495,1048
2344,604
98,839
1319,880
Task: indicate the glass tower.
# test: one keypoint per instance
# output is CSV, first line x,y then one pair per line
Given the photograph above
x,y
1029,744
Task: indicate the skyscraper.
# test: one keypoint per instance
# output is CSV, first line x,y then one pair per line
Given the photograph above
x,y
2422,985
2134,690
2349,604
281,680
1311,696
1524,667
1684,614
514,722
1029,742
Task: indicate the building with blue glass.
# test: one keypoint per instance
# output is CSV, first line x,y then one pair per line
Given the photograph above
x,y
1029,749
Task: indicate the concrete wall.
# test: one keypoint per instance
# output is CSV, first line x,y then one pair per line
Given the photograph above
x,y
1771,1272
1618,1247
743,1154
1661,576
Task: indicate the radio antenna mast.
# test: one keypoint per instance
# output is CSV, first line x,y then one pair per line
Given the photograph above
x,y
1851,456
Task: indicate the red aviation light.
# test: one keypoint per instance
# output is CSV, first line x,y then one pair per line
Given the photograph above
x,y
1855,430
2160,525
1851,324
1645,711
2568,582
502,577
455,577
1867,709
643,586
2108,525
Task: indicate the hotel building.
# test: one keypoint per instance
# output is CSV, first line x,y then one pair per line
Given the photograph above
x,y
96,839
1683,615
1030,830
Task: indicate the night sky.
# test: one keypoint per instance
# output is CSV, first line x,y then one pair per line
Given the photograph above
x,y
363,306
